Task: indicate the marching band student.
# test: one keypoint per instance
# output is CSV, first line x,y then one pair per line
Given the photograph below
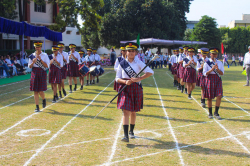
x,y
82,62
117,62
55,74
213,69
200,78
38,62
73,68
190,71
173,66
90,60
181,68
177,70
63,69
185,48
131,99
97,59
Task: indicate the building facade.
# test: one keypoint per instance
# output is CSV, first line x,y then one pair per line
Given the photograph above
x,y
245,22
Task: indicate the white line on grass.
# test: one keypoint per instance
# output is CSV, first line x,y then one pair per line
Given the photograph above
x,y
230,134
14,91
13,83
236,105
1,133
168,150
114,144
170,126
55,135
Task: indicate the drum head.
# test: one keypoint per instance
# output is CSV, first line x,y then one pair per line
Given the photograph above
x,y
92,68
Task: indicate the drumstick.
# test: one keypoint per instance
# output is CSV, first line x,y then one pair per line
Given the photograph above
x,y
155,57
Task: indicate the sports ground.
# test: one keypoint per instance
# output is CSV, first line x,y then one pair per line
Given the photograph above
x,y
170,130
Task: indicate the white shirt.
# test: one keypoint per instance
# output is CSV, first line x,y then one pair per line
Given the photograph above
x,y
198,63
161,57
116,65
77,56
8,61
188,57
233,58
82,60
206,67
44,58
137,65
173,59
97,57
181,57
59,59
149,53
247,59
65,55
89,58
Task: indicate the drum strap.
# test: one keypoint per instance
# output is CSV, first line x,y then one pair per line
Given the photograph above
x,y
129,70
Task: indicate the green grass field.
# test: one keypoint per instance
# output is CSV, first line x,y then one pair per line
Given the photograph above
x,y
170,130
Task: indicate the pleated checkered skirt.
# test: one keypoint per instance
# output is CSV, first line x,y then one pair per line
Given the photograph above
x,y
38,80
73,69
177,70
212,86
181,71
173,69
189,75
200,79
131,98
116,86
55,75
64,72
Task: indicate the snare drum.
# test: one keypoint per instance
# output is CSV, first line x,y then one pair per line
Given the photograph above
x,y
101,70
94,71
84,70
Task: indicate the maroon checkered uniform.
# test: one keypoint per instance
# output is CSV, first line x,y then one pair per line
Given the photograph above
x,y
181,71
73,69
173,69
38,80
64,72
177,70
116,86
55,75
212,86
200,79
131,98
189,75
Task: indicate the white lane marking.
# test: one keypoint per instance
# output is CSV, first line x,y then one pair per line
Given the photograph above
x,y
1,133
230,134
25,133
156,135
55,135
15,102
14,91
54,147
236,105
114,144
170,126
13,83
186,146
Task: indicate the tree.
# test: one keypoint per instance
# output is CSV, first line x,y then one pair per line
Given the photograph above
x,y
206,30
7,10
163,19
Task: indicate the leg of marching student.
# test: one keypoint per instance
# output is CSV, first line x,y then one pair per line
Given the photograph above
x,y
209,104
132,124
36,97
75,82
70,84
126,115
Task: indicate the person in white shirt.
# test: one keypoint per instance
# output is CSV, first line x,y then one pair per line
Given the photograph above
x,y
131,99
225,59
161,59
148,52
38,62
246,65
82,62
213,69
181,68
233,60
189,76
55,74
63,69
97,59
173,61
185,54
201,78
90,62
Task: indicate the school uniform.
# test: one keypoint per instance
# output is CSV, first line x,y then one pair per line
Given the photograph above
x,y
90,59
131,98
64,68
173,64
212,82
117,63
189,72
181,68
73,68
38,80
200,77
55,74
97,59
82,61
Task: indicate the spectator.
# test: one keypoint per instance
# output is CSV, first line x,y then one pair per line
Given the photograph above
x,y
247,65
233,60
16,62
23,55
10,65
239,58
4,66
225,59
113,57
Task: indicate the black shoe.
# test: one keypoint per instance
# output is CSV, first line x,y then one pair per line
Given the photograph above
x,y
81,88
217,116
60,96
178,88
182,90
70,91
37,110
54,99
186,92
87,84
44,103
203,105
64,92
125,139
57,98
210,116
97,80
93,82
74,89
189,97
131,135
